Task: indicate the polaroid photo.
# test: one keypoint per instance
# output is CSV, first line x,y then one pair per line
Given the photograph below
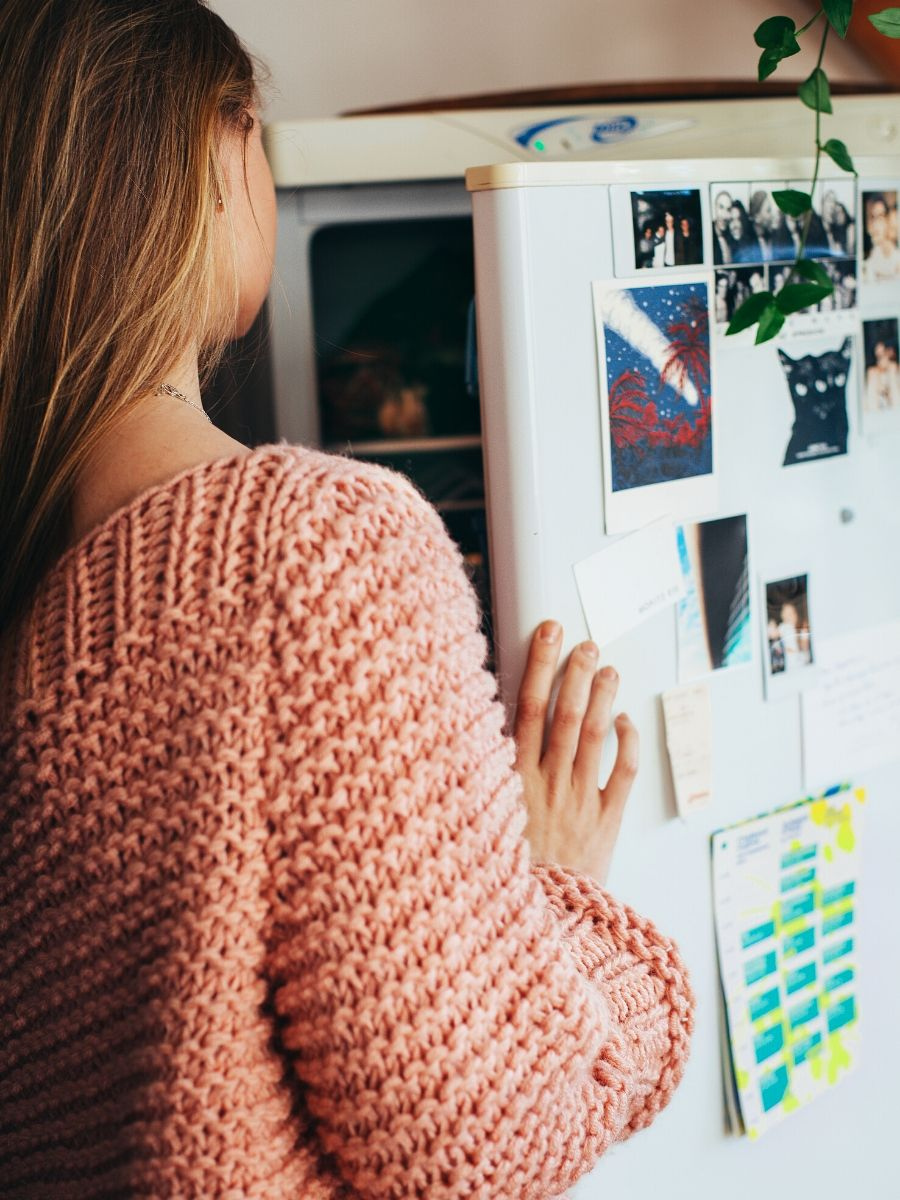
x,y
817,385
880,257
788,653
657,228
880,391
713,618
656,400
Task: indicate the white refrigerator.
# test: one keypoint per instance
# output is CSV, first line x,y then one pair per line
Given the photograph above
x,y
552,240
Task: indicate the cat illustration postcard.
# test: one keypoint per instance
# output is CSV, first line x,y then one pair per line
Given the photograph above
x,y
818,387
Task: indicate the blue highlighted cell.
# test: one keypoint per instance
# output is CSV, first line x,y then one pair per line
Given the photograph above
x,y
764,1003
832,895
758,933
802,940
768,1043
758,968
838,950
773,1087
835,981
798,879
807,1011
803,1049
800,978
798,856
830,924
841,1014
798,907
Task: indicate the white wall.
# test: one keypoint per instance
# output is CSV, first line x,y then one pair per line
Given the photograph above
x,y
330,55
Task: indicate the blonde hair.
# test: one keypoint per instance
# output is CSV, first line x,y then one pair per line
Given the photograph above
x,y
110,125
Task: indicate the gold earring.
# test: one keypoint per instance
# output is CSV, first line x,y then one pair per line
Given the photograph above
x,y
220,203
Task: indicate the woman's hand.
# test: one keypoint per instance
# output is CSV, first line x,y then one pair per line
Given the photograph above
x,y
571,821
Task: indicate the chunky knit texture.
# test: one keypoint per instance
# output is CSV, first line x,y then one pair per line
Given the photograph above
x,y
268,925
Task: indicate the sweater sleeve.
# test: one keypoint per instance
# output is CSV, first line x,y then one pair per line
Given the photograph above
x,y
462,1022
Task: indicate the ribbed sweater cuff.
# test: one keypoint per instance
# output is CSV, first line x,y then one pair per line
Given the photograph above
x,y
641,975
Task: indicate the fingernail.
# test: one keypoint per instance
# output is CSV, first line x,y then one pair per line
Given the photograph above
x,y
589,650
549,631
609,674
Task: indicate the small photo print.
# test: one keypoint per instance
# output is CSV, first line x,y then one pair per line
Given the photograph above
x,y
881,247
818,388
788,641
881,384
714,615
667,229
749,227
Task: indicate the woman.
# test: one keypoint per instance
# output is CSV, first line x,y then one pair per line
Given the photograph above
x,y
744,245
271,925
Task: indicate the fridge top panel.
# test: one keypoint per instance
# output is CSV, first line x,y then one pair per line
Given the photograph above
x,y
443,145
689,170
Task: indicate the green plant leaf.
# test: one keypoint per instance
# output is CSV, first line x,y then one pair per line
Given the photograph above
x,y
768,62
750,311
887,22
795,296
769,324
793,202
838,13
777,36
808,268
838,152
775,33
815,92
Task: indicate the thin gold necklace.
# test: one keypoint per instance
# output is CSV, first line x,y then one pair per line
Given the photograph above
x,y
166,389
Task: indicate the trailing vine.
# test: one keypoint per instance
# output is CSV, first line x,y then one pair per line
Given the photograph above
x,y
807,281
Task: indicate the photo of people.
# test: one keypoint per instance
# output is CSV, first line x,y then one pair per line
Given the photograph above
x,y
749,227
713,617
788,638
667,229
787,624
881,251
881,378
735,284
881,341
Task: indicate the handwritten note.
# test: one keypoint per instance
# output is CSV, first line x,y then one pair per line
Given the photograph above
x,y
688,716
629,580
851,720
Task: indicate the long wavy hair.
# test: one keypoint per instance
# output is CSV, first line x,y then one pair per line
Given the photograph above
x,y
111,263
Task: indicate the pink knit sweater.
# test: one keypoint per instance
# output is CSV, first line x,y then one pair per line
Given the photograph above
x,y
268,926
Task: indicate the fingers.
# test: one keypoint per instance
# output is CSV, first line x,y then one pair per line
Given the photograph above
x,y
621,778
534,693
595,729
568,714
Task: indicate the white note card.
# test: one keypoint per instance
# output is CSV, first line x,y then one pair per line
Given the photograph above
x,y
851,719
688,716
629,580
